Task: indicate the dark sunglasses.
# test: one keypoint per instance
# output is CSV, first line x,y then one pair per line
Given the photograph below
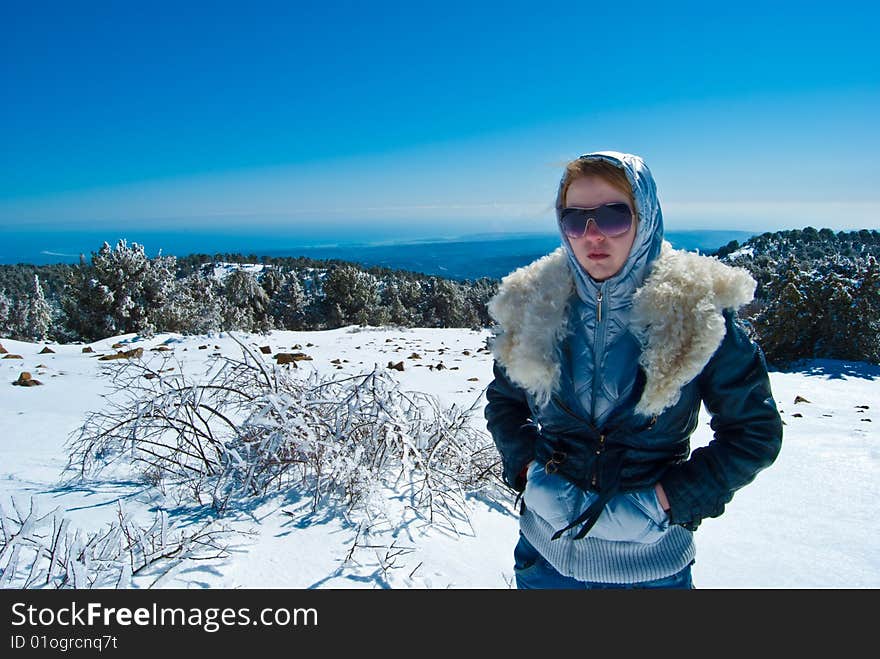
x,y
611,219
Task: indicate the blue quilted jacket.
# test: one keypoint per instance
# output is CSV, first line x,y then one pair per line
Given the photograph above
x,y
598,386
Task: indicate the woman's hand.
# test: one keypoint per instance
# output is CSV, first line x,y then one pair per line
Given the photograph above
x,y
522,477
661,497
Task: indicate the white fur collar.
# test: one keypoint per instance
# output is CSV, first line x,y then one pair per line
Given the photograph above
x,y
676,316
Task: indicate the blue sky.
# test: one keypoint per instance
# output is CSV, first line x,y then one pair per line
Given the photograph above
x,y
434,118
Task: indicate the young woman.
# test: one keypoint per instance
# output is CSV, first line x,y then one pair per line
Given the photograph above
x,y
604,351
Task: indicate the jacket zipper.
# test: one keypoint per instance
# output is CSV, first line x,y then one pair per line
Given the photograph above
x,y
595,479
596,351
596,361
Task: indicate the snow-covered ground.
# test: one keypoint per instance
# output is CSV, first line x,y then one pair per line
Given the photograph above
x,y
808,521
742,252
222,269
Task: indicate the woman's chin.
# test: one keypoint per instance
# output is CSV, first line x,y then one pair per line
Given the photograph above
x,y
599,271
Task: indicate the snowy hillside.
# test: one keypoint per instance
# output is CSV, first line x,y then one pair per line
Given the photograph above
x,y
223,270
807,521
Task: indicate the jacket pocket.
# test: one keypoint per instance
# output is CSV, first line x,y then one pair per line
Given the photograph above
x,y
631,517
647,501
552,496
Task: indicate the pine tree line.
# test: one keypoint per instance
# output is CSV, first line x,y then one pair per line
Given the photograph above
x,y
818,293
809,244
121,290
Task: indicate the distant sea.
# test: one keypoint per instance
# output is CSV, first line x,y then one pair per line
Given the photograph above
x,y
465,257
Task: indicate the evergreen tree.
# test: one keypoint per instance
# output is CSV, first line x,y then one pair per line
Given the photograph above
x,y
398,313
729,248
118,293
272,281
449,306
193,306
427,306
245,305
866,305
5,314
351,296
784,325
477,296
413,302
835,320
39,317
19,319
288,304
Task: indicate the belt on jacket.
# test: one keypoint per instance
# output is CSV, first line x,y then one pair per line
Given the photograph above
x,y
609,474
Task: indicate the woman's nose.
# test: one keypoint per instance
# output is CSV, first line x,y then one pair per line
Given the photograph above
x,y
593,230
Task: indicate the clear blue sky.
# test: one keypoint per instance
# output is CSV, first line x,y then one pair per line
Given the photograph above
x,y
442,118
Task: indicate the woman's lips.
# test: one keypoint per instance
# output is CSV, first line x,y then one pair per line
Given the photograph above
x,y
597,257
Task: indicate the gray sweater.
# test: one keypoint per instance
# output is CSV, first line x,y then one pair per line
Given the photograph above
x,y
609,561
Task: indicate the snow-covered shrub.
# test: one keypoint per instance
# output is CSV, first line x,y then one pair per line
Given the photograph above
x,y
118,293
244,303
249,428
402,298
288,302
43,552
448,306
352,296
28,318
192,306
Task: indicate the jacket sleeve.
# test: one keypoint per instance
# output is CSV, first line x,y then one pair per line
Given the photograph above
x,y
735,389
508,420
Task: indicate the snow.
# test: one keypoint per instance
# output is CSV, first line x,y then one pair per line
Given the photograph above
x,y
743,252
808,521
223,270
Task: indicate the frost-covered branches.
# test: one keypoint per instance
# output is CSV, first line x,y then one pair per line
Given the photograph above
x,y
830,312
118,293
28,318
245,304
249,428
43,552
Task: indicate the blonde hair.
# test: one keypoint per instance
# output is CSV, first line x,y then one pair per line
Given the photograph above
x,y
603,169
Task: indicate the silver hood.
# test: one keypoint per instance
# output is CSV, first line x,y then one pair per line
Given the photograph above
x,y
649,234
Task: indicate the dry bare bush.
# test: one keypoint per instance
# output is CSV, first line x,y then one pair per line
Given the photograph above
x,y
250,428
41,551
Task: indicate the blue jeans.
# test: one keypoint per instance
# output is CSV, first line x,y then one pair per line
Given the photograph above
x,y
532,571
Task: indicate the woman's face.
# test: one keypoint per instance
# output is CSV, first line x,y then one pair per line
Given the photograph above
x,y
602,257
